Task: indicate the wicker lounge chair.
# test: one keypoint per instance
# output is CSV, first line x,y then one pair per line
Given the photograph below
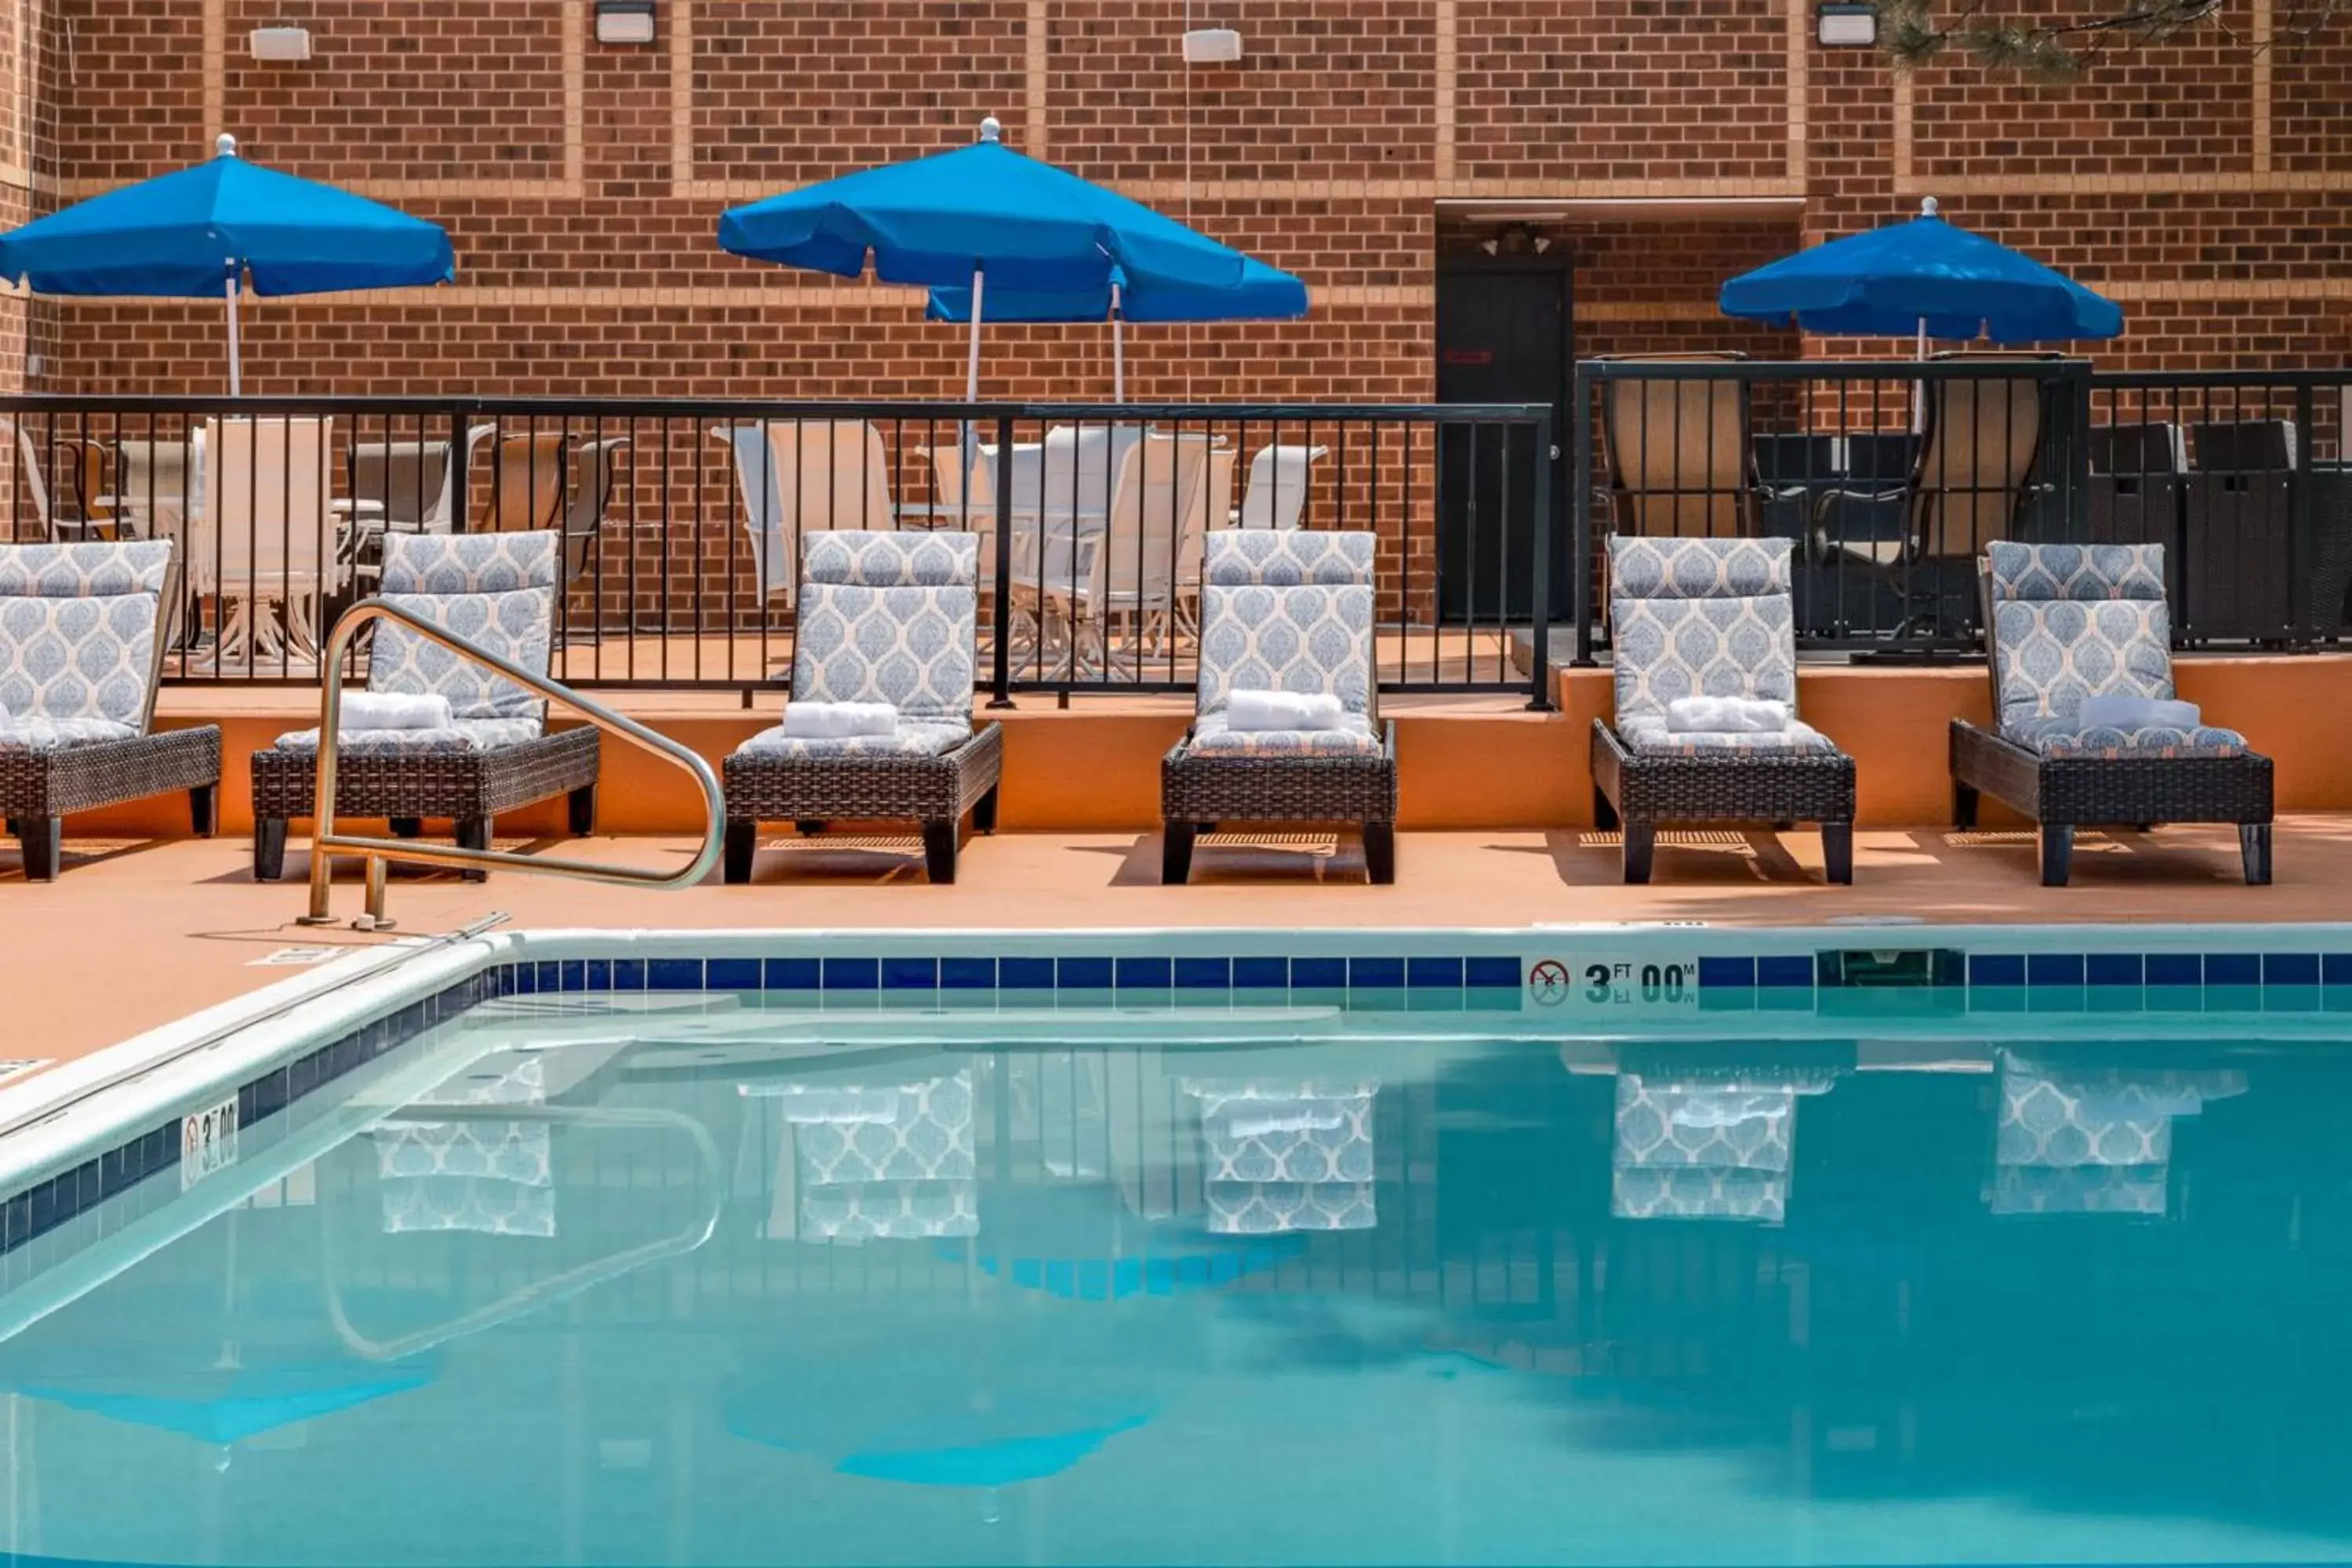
x,y
2061,617
1710,618
82,632
1288,611
884,617
496,590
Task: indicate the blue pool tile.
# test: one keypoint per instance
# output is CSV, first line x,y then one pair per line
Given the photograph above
x,y
967,974
1491,998
2290,969
1318,974
1434,972
852,975
1028,973
575,974
526,979
791,974
911,975
1143,975
2111,969
1376,975
1496,973
731,974
1204,974
2291,998
2335,969
2234,969
1261,974
2053,969
600,975
628,975
1083,974
1733,972
2175,969
1785,969
1995,969
674,974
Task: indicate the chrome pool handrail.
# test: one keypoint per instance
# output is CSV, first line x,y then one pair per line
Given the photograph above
x,y
325,841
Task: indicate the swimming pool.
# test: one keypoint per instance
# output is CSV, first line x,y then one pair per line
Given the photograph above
x,y
1975,1246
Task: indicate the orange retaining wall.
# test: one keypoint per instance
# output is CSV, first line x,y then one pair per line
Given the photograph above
x,y
1096,768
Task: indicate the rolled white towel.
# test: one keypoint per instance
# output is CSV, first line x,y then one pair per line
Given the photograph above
x,y
838,721
394,710
2118,711
1726,716
1251,711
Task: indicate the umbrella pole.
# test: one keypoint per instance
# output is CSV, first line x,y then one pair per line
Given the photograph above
x,y
972,367
233,388
1919,390
1118,349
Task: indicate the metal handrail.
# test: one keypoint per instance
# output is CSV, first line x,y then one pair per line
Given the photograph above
x,y
325,841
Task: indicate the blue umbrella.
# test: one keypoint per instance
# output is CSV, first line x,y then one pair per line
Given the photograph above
x,y
203,231
980,215
1923,276
1262,293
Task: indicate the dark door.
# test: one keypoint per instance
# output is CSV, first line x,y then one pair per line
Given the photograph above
x,y
1502,337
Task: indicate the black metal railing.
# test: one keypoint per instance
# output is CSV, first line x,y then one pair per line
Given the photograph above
x,y
681,521
1889,478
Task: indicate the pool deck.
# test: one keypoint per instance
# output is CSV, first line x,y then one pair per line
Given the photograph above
x,y
137,933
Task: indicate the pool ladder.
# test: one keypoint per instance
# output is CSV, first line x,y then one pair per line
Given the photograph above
x,y
325,842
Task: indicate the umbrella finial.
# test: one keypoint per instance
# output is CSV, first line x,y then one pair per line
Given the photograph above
x,y
991,129
1927,207
225,145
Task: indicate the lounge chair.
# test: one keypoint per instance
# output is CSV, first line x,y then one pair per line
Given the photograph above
x,y
1284,611
884,617
1710,618
2066,621
1680,464
82,632
498,592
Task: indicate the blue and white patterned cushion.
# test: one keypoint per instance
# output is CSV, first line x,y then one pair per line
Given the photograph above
x,y
889,617
495,590
2071,621
1647,735
926,1136
914,739
1286,612
77,630
2063,738
464,735
56,735
1700,617
1355,738
1705,1147
2092,1140
2081,573
495,1178
1698,1191
1264,1181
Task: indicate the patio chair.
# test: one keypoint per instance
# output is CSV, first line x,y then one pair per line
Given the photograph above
x,y
798,477
1710,618
2071,621
79,507
1680,465
1142,569
884,618
267,512
497,591
587,497
1279,478
411,486
1284,612
82,632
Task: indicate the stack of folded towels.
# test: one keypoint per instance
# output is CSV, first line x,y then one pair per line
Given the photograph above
x,y
838,721
364,710
2125,712
1726,716
1284,710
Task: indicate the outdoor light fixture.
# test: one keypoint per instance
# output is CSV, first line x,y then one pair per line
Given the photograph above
x,y
281,44
1846,24
1211,47
624,21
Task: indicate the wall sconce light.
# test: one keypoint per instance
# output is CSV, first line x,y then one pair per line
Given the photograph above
x,y
624,21
1211,47
1846,24
281,45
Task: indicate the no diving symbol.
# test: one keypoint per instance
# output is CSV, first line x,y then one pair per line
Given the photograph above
x,y
1548,982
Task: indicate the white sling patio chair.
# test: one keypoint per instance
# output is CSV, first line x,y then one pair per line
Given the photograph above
x,y
805,476
268,510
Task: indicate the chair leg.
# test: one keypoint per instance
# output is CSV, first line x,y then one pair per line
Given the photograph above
x,y
983,811
1641,845
1176,853
580,809
1837,852
1604,815
406,826
1964,805
472,833
742,839
44,847
2255,850
809,826
939,851
2057,853
268,849
1379,852
204,809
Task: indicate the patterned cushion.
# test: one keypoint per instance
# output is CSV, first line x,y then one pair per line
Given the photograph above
x,y
495,1178
1705,1148
2070,738
2071,621
1699,1193
2076,571
1356,737
1286,1156
56,735
1700,617
1286,612
2092,1140
889,617
464,735
78,629
495,590
914,739
1286,558
1647,735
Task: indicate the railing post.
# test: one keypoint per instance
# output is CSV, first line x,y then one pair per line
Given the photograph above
x,y
2302,607
1580,565
1001,696
460,454
2078,450
1539,698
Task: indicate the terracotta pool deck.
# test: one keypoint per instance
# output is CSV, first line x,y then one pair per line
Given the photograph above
x,y
137,933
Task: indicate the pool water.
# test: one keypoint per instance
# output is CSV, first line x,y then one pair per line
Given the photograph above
x,y
528,1293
